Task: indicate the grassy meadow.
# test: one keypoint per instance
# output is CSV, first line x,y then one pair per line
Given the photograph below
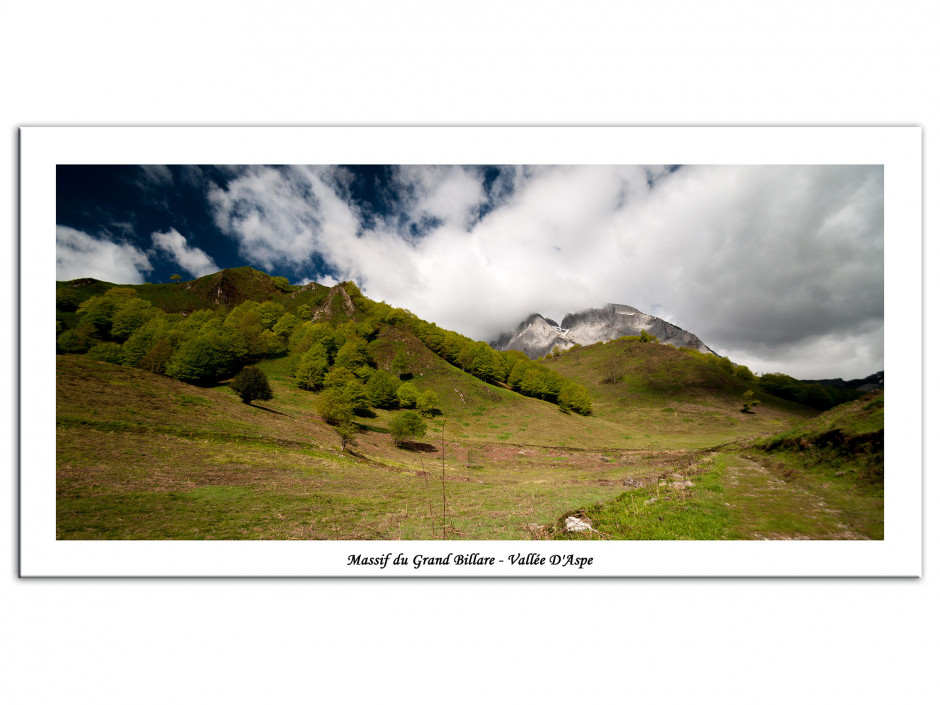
x,y
141,456
666,451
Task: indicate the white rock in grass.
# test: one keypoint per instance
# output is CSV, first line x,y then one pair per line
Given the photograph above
x,y
575,524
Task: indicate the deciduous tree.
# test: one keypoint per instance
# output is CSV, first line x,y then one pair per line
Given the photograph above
x,y
407,426
251,383
347,434
574,398
427,403
400,364
334,406
748,402
106,352
208,356
407,395
312,369
382,388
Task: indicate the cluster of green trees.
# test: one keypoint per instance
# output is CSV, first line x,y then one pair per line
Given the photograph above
x,y
809,394
199,347
535,380
724,364
336,360
510,367
481,360
207,345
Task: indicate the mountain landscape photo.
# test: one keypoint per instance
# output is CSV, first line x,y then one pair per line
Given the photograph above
x,y
424,352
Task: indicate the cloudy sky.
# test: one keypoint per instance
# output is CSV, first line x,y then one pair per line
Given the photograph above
x,y
778,267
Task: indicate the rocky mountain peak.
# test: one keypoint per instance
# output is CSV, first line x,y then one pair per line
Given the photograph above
x,y
537,336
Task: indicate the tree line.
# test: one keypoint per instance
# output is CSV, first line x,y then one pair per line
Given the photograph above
x,y
810,394
208,345
509,368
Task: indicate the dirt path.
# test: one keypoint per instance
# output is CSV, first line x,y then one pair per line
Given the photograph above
x,y
765,506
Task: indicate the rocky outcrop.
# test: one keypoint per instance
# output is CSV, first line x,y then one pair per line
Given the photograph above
x,y
537,336
337,304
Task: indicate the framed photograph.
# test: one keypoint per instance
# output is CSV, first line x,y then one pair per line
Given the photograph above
x,y
485,352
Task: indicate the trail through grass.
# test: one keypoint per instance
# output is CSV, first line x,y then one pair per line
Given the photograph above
x,y
734,496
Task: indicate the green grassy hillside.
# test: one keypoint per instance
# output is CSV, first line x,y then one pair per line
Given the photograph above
x,y
845,442
670,398
226,288
143,455
823,479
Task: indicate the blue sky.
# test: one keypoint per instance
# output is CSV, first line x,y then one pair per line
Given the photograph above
x,y
779,267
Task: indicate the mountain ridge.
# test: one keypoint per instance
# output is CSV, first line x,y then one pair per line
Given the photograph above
x,y
537,335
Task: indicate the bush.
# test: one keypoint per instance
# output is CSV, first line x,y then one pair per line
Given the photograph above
x,y
427,403
347,434
574,397
748,402
66,299
73,341
107,352
130,316
250,384
210,355
334,406
286,324
407,395
312,369
382,388
406,426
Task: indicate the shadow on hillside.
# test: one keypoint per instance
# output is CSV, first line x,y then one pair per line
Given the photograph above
x,y
270,411
416,447
374,429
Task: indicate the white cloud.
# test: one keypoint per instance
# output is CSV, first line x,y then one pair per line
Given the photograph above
x,y
282,217
192,259
779,265
80,255
450,194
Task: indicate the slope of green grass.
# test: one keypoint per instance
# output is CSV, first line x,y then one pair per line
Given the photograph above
x,y
844,444
733,496
226,288
145,456
668,397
